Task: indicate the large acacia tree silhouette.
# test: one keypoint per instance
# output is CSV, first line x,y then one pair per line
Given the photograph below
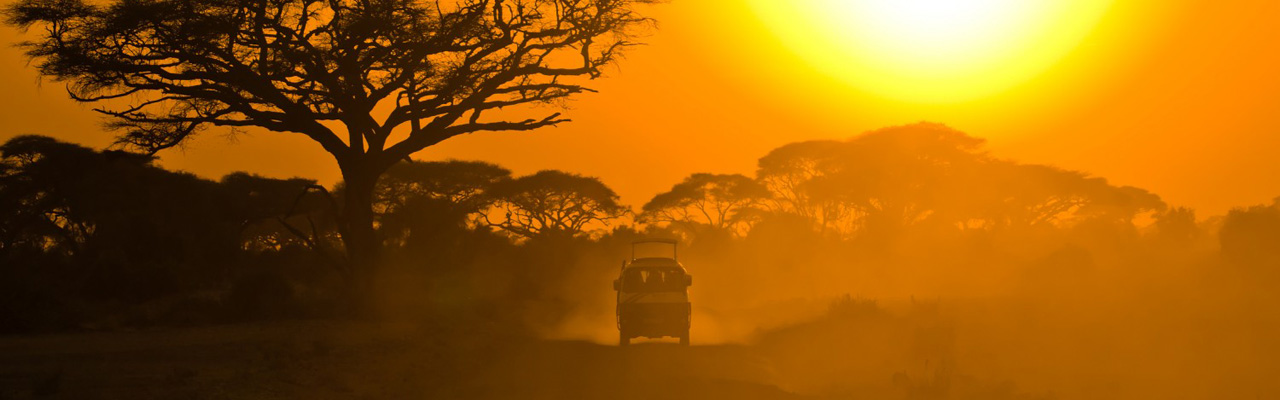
x,y
352,75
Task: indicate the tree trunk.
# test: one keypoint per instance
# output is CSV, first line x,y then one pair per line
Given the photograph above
x,y
358,235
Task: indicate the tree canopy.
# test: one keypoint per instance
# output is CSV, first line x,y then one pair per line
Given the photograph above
x,y
722,202
293,65
553,203
370,81
414,197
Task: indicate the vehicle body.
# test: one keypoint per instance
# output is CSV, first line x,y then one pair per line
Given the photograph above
x,y
653,297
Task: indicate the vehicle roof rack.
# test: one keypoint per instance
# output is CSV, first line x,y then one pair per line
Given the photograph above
x,y
675,244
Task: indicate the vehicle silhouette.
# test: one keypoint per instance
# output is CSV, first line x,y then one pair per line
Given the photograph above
x,y
653,297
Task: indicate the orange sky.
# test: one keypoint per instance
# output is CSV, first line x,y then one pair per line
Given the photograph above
x,y
1181,100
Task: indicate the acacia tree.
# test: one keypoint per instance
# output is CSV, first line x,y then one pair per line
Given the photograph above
x,y
433,194
552,203
277,213
110,223
460,183
719,201
787,172
352,75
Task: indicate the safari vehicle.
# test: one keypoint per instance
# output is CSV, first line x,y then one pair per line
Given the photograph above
x,y
653,296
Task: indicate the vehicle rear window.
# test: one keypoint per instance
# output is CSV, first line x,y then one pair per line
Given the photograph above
x,y
654,280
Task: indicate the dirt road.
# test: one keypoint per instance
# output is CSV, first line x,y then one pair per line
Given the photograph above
x,y
319,360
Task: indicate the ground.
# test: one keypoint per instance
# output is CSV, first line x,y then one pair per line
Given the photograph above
x,y
344,360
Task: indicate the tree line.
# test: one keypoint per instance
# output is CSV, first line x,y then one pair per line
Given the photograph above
x,y
84,229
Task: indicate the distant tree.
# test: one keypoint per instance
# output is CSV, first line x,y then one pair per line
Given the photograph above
x,y
897,177
891,177
462,183
930,174
11,210
551,203
1024,195
278,213
350,75
1177,225
718,201
433,195
786,172
40,197
121,226
1249,236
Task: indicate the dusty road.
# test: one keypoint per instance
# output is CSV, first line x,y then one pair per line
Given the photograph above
x,y
318,360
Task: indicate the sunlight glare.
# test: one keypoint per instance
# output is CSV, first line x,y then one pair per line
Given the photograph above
x,y
933,51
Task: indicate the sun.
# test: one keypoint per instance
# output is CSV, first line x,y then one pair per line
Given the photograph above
x,y
932,51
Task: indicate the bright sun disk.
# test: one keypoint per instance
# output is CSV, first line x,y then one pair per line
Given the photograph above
x,y
933,51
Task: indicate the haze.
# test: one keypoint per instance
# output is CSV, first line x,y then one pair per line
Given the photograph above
x,y
880,199
1177,98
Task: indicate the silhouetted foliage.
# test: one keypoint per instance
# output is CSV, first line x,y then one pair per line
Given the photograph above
x,y
1177,225
1250,236
99,239
897,177
415,200
281,212
928,175
552,203
111,226
786,171
724,203
114,214
165,70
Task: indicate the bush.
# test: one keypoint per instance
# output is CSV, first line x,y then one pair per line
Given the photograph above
x,y
265,295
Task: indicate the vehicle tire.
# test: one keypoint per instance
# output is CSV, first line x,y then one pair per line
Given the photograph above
x,y
684,339
624,339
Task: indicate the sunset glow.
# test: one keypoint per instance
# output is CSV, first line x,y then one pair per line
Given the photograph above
x,y
932,51
640,199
